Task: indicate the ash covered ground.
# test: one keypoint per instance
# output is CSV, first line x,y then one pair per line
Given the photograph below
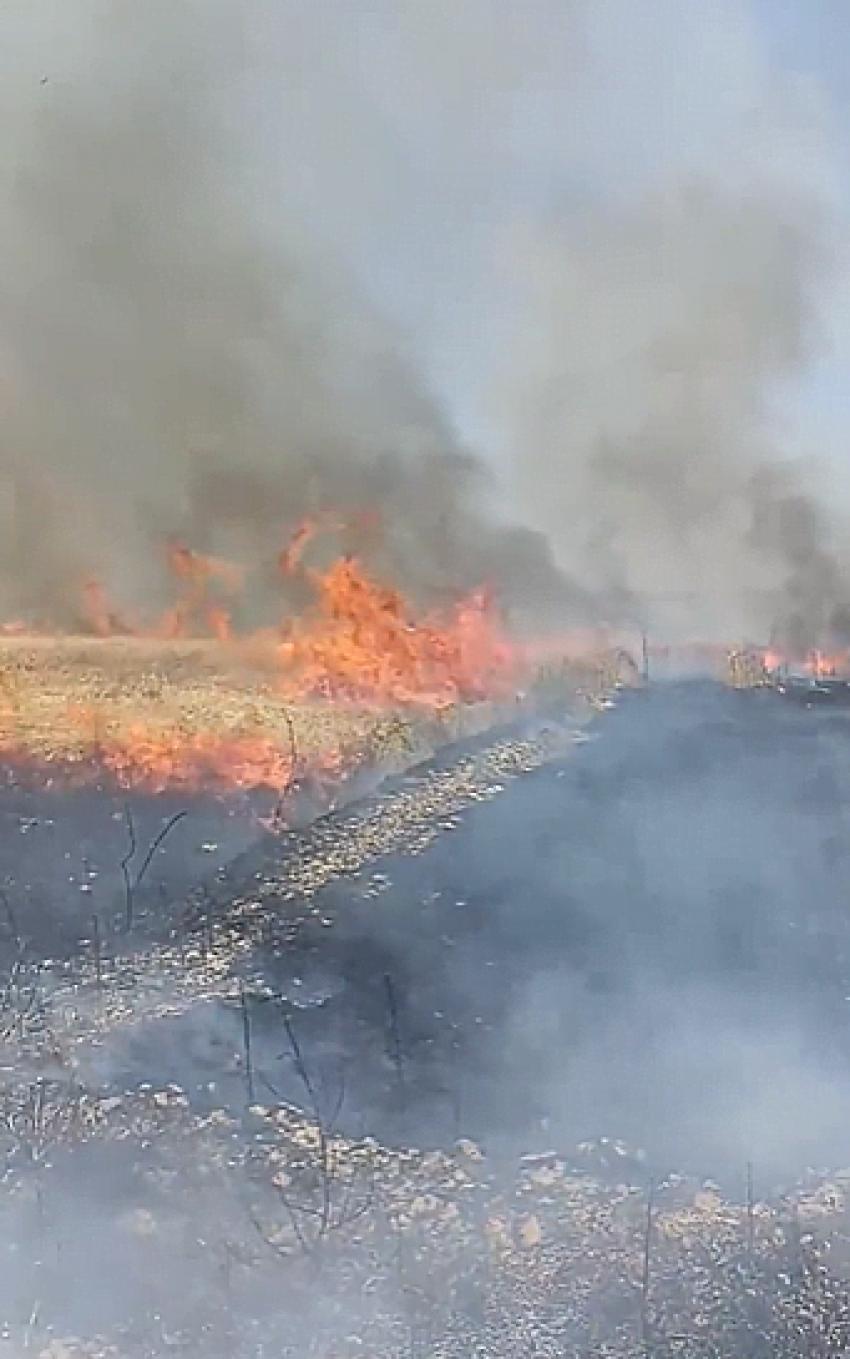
x,y
646,937
564,965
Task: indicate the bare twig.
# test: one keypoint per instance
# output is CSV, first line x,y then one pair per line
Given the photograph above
x,y
301,1066
334,1210
646,1272
394,1030
304,1077
246,1044
277,811
337,1108
157,841
131,885
125,867
293,744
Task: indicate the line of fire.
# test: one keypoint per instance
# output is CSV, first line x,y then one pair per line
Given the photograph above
x,y
352,642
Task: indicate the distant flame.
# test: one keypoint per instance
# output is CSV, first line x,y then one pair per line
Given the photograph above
x,y
197,606
816,663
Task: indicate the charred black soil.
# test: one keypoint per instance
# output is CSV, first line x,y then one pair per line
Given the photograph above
x,y
648,938
580,970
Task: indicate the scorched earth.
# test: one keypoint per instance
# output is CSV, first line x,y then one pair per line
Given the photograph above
x,y
448,1071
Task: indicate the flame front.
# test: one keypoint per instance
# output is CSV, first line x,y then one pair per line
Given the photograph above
x,y
362,642
358,645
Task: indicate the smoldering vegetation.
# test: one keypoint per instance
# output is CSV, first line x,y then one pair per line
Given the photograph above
x,y
599,983
646,942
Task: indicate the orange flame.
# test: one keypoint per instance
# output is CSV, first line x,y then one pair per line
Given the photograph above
x,y
98,612
816,663
290,557
361,643
197,574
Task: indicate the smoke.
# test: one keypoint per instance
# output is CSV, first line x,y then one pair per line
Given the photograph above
x,y
665,308
661,335
644,942
259,265
812,607
177,363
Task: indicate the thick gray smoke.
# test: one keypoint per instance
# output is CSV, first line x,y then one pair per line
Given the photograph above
x,y
663,330
603,234
661,327
664,312
812,606
171,369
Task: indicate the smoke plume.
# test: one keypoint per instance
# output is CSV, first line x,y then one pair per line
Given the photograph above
x,y
264,263
662,315
172,369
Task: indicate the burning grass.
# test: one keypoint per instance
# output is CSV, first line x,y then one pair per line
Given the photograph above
x,y
157,715
312,694
347,669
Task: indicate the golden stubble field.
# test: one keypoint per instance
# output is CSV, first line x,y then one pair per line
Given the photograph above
x,y
165,712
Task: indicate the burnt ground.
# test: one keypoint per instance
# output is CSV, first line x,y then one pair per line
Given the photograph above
x,y
61,851
647,939
62,847
642,937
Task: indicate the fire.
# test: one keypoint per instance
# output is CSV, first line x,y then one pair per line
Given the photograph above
x,y
153,760
772,661
760,665
99,613
816,663
289,559
156,761
198,606
362,641
361,644
823,665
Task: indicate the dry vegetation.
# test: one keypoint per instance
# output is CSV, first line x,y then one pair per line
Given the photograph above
x,y
202,715
268,1234
140,703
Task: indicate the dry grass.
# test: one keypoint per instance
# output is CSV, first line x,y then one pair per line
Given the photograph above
x,y
69,700
440,1257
